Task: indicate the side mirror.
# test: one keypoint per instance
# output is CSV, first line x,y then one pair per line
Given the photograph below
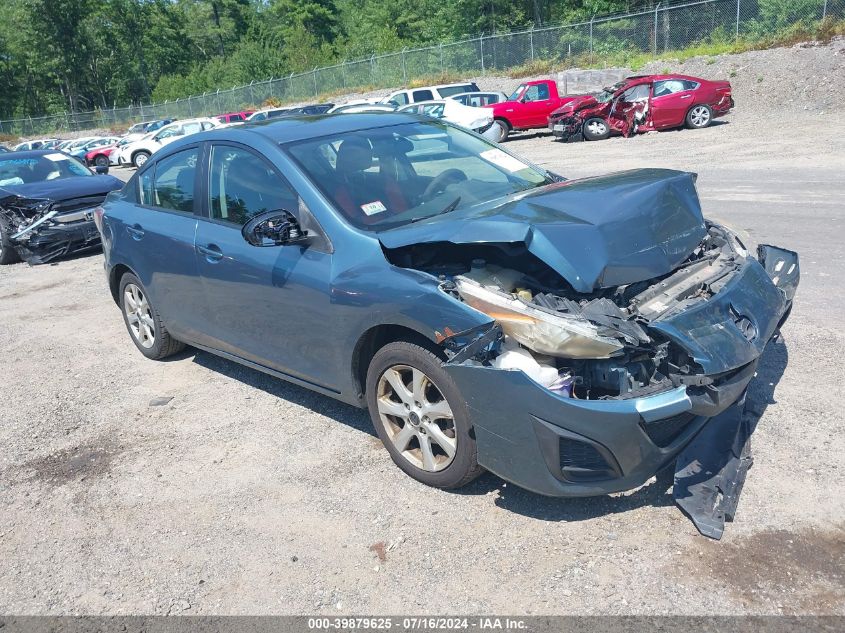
x,y
274,228
101,169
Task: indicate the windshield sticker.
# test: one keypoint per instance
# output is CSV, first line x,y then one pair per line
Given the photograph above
x,y
57,156
11,181
371,208
503,160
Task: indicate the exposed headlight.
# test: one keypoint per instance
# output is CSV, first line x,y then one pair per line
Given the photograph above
x,y
553,334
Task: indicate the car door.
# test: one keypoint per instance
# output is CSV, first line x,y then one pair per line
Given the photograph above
x,y
156,235
266,304
535,107
670,101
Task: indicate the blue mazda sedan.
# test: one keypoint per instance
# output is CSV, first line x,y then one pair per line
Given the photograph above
x,y
572,336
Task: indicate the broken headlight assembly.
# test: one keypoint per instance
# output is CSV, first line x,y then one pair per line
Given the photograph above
x,y
560,335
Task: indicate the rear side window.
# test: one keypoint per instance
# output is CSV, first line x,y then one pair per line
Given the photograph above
x,y
448,91
423,95
244,185
171,186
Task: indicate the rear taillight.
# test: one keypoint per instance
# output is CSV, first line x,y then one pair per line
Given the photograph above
x,y
98,218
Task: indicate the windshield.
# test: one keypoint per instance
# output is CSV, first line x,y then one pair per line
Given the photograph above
x,y
21,171
385,177
515,95
607,93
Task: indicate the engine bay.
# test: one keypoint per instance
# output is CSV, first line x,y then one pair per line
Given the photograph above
x,y
588,346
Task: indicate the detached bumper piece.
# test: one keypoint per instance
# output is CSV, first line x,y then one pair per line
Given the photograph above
x,y
711,470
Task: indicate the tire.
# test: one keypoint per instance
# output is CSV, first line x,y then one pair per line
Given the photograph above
x,y
503,130
393,411
139,159
143,321
699,117
596,129
101,160
8,254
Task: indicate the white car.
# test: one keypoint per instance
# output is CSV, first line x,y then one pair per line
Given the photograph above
x,y
29,145
349,108
479,99
138,152
267,113
479,120
429,93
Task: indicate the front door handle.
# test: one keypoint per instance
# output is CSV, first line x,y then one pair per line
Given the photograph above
x,y
212,252
686,96
135,231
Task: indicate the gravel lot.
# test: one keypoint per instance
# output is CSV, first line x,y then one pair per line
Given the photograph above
x,y
196,486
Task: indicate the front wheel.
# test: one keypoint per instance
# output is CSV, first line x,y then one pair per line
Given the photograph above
x,y
140,159
596,129
699,117
144,322
8,253
101,161
421,417
501,131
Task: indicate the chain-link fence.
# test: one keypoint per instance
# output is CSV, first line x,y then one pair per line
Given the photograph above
x,y
655,31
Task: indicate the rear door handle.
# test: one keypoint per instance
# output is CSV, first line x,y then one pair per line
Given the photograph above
x,y
686,96
212,252
135,231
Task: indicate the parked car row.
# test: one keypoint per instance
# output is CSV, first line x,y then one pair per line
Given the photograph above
x,y
637,104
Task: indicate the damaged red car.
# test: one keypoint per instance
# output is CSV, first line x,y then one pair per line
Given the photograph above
x,y
642,104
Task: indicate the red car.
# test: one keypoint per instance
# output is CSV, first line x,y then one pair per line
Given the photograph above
x,y
642,104
100,155
234,117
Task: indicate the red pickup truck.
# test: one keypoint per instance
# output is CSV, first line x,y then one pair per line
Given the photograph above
x,y
527,108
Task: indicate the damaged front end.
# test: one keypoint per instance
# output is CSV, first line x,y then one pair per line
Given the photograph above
x,y
581,387
41,230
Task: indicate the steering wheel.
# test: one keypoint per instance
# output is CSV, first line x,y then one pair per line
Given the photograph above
x,y
441,181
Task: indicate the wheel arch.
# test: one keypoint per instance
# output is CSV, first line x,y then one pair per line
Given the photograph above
x,y
115,275
376,337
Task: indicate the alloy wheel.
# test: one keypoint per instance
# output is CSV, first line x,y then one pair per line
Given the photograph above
x,y
700,116
139,315
417,418
596,128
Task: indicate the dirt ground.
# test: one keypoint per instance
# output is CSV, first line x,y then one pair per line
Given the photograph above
x,y
196,486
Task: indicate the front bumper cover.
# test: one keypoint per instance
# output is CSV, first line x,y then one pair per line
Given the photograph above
x,y
561,446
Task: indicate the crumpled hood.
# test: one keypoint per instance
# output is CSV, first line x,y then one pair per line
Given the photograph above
x,y
595,232
579,102
63,188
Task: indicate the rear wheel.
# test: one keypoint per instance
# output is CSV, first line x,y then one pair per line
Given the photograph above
x,y
8,254
101,161
144,322
420,416
699,117
596,129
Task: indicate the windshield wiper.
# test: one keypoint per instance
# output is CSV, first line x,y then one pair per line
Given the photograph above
x,y
447,209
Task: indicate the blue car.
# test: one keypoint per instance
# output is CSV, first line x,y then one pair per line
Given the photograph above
x,y
572,336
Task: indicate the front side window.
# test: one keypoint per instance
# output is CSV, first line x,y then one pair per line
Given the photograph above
x,y
448,91
400,98
637,93
175,130
242,185
388,176
537,92
173,182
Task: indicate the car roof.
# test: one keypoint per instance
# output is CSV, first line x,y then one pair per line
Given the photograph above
x,y
33,153
302,127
